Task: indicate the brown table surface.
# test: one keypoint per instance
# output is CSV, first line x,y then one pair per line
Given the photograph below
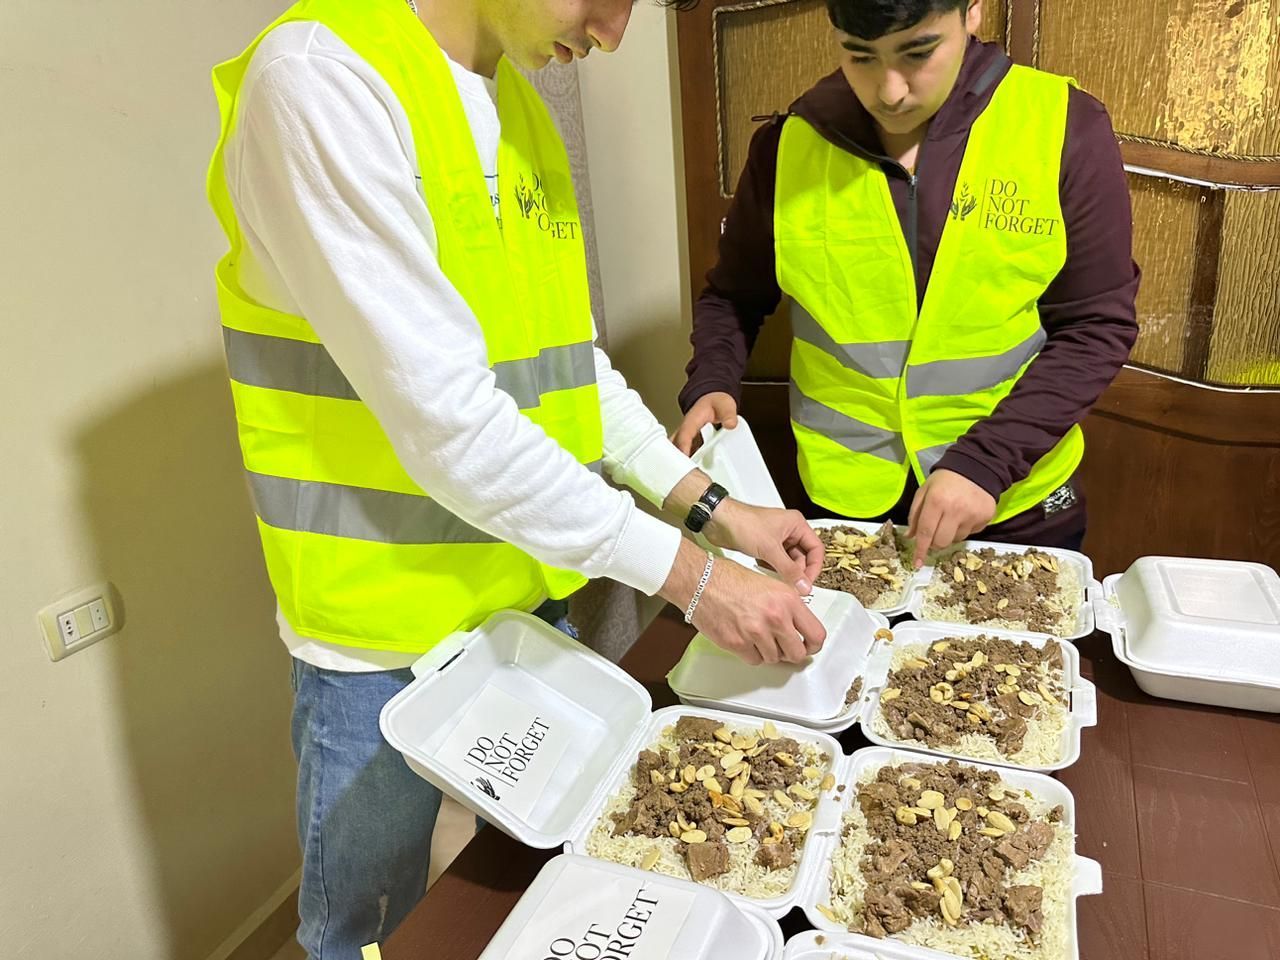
x,y
1179,803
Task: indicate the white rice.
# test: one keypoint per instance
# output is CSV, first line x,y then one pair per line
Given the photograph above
x,y
1065,603
1044,744
744,876
981,941
892,596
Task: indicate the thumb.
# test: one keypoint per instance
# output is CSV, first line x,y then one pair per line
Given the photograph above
x,y
726,412
787,567
689,429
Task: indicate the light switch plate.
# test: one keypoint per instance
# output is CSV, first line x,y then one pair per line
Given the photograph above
x,y
81,619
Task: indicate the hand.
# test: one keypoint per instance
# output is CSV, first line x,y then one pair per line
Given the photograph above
x,y
752,616
717,408
947,509
779,538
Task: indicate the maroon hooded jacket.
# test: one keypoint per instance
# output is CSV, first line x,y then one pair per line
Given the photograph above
x,y
1087,311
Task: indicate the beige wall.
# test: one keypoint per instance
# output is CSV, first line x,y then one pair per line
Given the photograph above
x,y
630,105
146,782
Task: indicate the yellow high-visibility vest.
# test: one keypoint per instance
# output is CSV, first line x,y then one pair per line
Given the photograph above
x,y
357,552
879,387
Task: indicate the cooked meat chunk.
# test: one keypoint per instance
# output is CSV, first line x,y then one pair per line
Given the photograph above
x,y
707,859
1022,904
776,856
696,728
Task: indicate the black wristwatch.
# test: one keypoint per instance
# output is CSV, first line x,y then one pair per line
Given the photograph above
x,y
700,512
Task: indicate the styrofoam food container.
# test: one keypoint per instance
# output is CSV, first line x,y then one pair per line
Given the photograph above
x,y
1086,879
822,945
534,732
1089,588
1203,631
812,693
579,907
732,458
913,580
1083,696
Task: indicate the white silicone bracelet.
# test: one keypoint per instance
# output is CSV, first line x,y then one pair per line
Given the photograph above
x,y
702,585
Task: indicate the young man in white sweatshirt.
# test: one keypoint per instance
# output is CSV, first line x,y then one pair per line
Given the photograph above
x,y
399,473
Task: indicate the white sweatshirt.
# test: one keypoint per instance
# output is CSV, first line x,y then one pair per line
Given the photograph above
x,y
323,174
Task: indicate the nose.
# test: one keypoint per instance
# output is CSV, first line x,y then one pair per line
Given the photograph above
x,y
893,90
606,32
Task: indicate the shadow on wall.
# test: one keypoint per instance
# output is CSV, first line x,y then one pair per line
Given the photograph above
x,y
203,679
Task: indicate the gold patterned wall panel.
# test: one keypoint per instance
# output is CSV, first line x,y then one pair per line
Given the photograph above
x,y
768,54
1200,74
1245,349
1164,245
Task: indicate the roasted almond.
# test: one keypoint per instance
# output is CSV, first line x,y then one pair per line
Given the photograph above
x,y
1001,822
738,835
650,858
694,836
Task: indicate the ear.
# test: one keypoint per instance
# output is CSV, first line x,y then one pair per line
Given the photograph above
x,y
973,17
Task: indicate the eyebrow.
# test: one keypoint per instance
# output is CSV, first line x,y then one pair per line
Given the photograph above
x,y
922,41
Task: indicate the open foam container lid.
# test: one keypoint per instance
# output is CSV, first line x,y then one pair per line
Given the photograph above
x,y
812,692
1083,696
732,458
1212,619
1081,564
579,907
1086,874
534,732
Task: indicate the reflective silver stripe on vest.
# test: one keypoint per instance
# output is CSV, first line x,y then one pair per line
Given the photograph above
x,y
359,513
279,363
845,430
930,456
954,378
879,361
554,368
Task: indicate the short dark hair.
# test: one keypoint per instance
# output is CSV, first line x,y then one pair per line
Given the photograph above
x,y
872,19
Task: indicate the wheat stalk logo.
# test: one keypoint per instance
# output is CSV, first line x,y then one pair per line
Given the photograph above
x,y
964,204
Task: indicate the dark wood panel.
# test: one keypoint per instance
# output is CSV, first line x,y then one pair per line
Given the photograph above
x,y
1200,166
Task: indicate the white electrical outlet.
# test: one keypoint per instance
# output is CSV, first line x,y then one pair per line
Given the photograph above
x,y
81,619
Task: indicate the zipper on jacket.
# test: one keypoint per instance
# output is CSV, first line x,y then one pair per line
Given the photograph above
x,y
913,182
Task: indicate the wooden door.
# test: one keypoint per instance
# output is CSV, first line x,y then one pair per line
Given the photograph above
x,y
1184,449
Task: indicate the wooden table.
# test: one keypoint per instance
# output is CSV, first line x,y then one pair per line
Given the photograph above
x,y
1180,804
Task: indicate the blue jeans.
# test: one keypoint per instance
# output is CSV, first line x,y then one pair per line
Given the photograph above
x,y
364,818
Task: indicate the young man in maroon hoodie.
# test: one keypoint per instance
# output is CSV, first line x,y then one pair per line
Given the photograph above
x,y
954,234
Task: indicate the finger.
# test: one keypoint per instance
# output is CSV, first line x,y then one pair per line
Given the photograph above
x,y
726,412
916,503
748,655
792,645
768,650
684,437
926,526
782,563
945,533
811,629
814,553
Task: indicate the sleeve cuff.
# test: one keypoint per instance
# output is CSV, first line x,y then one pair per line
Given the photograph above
x,y
655,470
645,553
